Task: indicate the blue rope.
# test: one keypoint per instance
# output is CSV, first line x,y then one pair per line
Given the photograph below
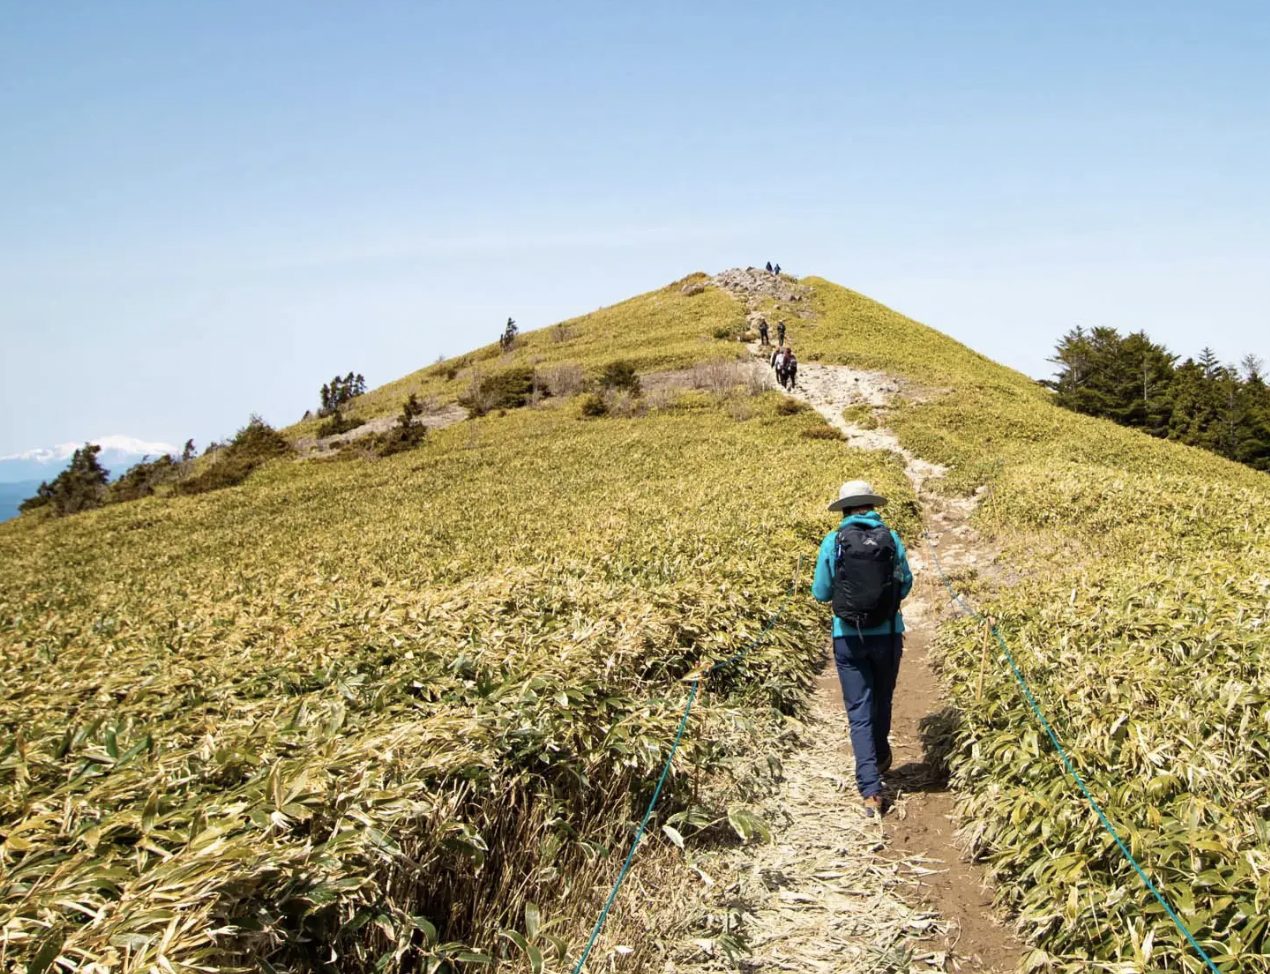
x,y
1070,768
665,770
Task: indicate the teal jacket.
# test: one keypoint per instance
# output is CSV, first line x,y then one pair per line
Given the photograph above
x,y
822,584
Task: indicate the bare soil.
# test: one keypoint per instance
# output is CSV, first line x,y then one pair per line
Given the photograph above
x,y
439,419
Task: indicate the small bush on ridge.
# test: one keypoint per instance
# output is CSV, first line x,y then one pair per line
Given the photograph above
x,y
791,407
594,405
620,375
254,444
508,389
339,423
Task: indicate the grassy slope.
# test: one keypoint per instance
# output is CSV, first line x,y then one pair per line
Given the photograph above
x,y
663,329
1141,610
278,707
1138,607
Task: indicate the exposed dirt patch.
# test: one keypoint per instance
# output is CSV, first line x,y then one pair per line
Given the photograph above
x,y
309,446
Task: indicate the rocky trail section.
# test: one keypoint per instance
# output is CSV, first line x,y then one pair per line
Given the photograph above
x,y
835,892
752,285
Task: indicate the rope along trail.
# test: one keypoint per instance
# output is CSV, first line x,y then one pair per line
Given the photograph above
x,y
695,686
1068,766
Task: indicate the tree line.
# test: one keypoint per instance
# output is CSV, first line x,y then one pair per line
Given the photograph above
x,y
85,484
1139,383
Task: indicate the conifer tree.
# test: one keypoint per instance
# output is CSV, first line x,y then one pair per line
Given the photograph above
x,y
80,487
1136,382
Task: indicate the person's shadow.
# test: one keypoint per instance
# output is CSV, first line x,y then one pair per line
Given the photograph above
x,y
938,733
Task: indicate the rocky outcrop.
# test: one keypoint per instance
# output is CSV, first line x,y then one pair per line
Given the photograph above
x,y
752,284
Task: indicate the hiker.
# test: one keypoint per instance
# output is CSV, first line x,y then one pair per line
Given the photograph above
x,y
762,333
769,267
780,333
787,374
862,569
778,359
776,269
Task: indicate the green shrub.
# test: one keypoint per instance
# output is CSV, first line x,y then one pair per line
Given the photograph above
x,y
821,433
253,445
339,423
594,405
791,407
142,478
620,375
407,433
508,389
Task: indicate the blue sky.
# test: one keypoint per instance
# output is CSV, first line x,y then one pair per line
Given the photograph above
x,y
208,209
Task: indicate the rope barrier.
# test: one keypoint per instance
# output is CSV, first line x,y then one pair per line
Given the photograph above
x,y
695,679
1068,766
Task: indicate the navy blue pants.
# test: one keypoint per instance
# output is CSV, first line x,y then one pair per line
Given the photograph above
x,y
867,668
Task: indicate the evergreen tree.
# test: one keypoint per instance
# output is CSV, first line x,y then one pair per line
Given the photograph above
x,y
1136,382
1127,379
407,433
1209,363
410,409
1252,444
339,391
80,487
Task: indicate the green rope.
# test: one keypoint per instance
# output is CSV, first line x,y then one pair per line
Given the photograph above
x,y
665,770
1070,768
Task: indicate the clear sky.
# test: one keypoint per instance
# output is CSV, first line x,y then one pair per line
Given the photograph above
x,y
206,209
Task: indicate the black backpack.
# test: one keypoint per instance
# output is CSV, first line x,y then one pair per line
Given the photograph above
x,y
866,589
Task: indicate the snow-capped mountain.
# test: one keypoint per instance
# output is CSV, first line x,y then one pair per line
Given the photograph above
x,y
118,453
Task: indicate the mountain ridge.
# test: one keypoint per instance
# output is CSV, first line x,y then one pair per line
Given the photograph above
x,y
475,649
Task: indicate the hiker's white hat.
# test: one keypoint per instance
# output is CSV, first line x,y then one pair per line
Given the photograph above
x,y
856,493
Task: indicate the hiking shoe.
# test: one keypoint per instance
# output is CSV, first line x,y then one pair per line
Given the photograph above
x,y
873,807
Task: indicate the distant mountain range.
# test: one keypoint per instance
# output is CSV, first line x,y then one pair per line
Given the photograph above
x,y
22,473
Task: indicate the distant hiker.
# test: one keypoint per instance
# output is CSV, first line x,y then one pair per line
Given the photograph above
x,y
769,267
776,269
762,333
862,569
778,358
786,367
780,333
787,374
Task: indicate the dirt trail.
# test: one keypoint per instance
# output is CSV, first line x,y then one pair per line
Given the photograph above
x,y
830,893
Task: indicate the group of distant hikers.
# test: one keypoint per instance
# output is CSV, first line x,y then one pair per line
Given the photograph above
x,y
773,268
782,359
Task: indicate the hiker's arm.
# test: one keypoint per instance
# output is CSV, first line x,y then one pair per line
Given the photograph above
x,y
822,584
906,573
